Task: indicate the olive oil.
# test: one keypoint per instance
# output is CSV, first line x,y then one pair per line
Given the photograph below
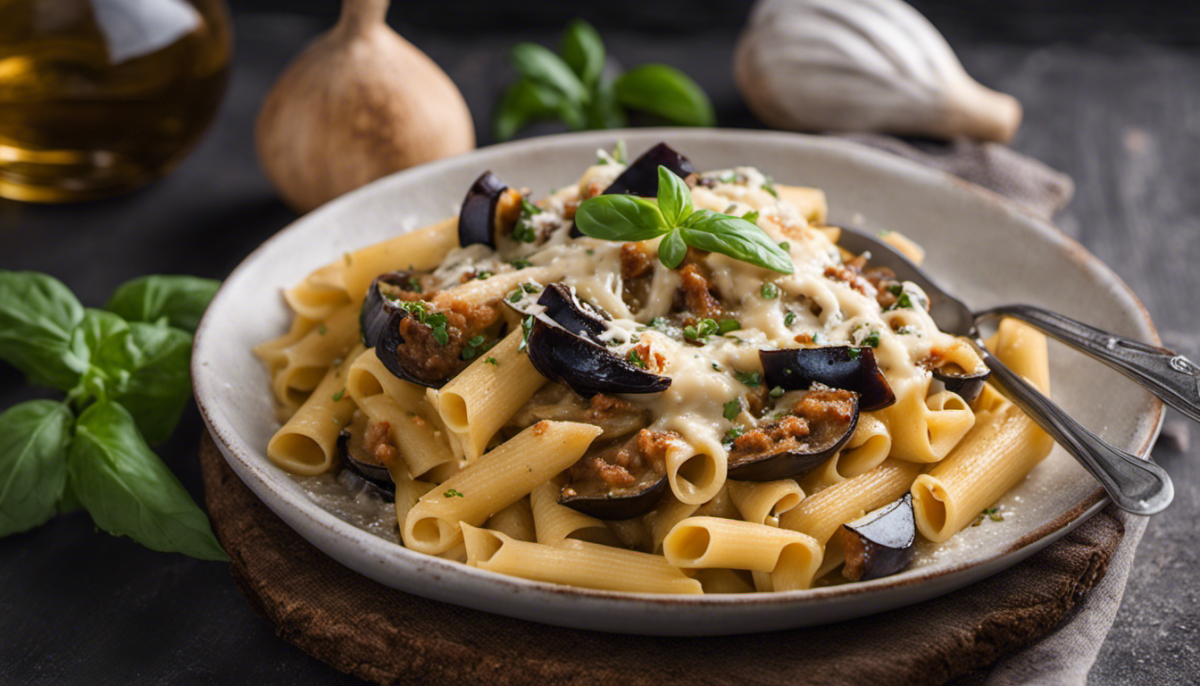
x,y
98,97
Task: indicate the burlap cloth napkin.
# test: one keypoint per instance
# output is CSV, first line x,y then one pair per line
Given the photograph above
x,y
988,633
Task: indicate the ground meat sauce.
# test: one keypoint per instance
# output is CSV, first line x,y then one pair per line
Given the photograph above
x,y
637,273
821,417
622,469
696,296
427,359
378,445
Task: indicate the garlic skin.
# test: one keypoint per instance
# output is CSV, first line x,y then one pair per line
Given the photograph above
x,y
359,103
862,65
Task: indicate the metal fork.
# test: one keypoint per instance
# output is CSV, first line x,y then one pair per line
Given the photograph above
x,y
1135,485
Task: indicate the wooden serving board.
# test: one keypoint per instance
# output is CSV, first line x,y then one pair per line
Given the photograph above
x,y
380,634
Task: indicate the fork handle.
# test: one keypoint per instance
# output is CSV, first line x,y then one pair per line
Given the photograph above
x,y
1165,373
1135,485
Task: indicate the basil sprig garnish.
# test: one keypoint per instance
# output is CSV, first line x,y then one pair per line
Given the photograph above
x,y
630,218
125,373
574,87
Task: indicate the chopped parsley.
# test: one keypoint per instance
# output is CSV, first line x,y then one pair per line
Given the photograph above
x,y
769,290
591,251
728,325
789,318
872,339
732,409
769,186
521,263
903,301
701,330
751,379
907,330
523,231
752,217
526,327
635,358
452,493
434,320
337,397
515,296
322,329
776,392
481,276
992,513
474,346
414,284
855,353
732,435
660,324
530,287
492,361
728,177
785,245
715,367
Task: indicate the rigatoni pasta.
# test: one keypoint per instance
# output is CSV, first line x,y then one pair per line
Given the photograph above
x,y
617,412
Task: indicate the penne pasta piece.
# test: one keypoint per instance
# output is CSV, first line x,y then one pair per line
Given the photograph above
x,y
555,523
866,449
791,558
421,445
319,294
575,563
762,503
302,365
810,202
922,432
368,377
307,444
481,399
821,514
996,455
514,521
488,485
724,581
419,250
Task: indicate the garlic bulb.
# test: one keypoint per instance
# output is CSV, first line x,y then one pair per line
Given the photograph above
x,y
862,65
359,103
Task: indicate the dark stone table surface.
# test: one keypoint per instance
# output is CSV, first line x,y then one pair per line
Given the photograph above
x,y
1120,114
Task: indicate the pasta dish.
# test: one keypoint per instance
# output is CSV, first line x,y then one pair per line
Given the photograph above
x,y
652,380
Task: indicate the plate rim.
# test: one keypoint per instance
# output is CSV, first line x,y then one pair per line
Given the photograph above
x,y
243,463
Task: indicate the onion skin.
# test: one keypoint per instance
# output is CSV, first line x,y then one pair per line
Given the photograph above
x,y
359,103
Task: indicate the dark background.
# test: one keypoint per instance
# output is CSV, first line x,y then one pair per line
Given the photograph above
x,y
1112,97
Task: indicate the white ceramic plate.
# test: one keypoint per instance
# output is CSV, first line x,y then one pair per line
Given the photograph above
x,y
979,246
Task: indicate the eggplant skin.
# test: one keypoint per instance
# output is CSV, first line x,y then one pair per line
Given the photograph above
x,y
583,366
880,543
375,475
477,219
967,386
378,310
641,176
789,464
564,308
625,506
852,369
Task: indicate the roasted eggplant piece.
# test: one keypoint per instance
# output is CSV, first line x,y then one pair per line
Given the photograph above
x,y
853,369
880,543
641,177
798,443
483,211
569,312
621,481
377,308
563,346
968,385
355,457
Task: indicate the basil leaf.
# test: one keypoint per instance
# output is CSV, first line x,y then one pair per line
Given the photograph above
x,y
525,102
179,299
674,197
544,67
33,463
94,332
149,367
603,112
672,249
129,491
735,237
583,50
666,92
620,218
37,315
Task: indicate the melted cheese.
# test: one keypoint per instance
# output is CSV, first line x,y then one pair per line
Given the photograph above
x,y
703,377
